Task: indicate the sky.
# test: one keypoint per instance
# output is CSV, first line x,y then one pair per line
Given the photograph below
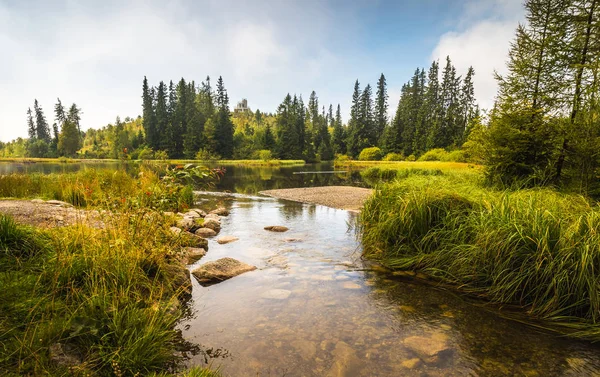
x,y
96,53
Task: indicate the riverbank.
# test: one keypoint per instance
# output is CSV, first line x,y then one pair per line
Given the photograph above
x,y
536,249
274,162
340,197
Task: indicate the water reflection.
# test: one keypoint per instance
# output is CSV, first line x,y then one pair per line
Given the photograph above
x,y
313,308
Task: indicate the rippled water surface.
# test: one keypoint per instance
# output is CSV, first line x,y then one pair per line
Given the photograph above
x,y
313,308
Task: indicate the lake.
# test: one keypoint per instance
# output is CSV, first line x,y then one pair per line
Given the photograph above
x,y
315,308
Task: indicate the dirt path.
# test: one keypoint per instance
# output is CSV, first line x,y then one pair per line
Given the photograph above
x,y
48,214
341,197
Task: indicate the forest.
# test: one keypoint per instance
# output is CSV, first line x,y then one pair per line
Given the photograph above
x,y
186,120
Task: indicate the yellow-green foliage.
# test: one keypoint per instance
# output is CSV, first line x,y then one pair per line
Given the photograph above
x,y
100,188
370,154
393,157
437,154
538,249
110,294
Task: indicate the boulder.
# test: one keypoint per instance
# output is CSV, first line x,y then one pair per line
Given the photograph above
x,y
226,239
193,240
427,347
187,223
212,224
38,201
221,211
193,254
179,279
176,231
277,228
205,232
213,216
192,214
222,269
198,211
345,361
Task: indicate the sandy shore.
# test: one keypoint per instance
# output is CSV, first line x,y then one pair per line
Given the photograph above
x,y
341,197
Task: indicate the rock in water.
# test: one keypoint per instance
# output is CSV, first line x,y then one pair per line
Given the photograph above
x,y
213,216
226,239
220,270
427,347
277,228
221,211
205,232
187,223
193,254
212,224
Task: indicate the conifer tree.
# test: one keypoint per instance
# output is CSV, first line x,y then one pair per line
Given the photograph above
x,y
148,115
41,125
338,137
31,130
287,136
223,124
354,144
60,115
161,114
68,140
381,108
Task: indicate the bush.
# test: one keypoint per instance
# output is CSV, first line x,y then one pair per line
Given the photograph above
x,y
206,155
161,155
265,155
437,154
146,153
411,158
455,156
392,156
370,154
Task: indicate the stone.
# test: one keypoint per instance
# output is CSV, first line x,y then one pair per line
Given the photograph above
x,y
277,228
38,201
351,285
187,223
220,270
192,214
305,349
59,203
292,240
179,278
226,239
411,363
427,347
212,224
276,294
213,216
198,211
221,211
64,355
175,230
193,254
196,241
205,232
345,361
59,218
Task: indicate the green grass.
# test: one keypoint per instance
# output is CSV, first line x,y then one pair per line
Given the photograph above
x,y
112,295
536,249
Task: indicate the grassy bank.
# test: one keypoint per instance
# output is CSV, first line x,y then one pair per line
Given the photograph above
x,y
405,165
536,249
86,302
173,162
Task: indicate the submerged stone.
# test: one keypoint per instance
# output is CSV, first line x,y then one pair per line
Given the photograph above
x,y
411,363
221,211
226,239
427,347
276,228
220,270
351,285
276,294
193,254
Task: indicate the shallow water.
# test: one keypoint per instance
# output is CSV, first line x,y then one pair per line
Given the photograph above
x,y
313,308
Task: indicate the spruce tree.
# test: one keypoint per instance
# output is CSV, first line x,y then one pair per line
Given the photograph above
x,y
60,115
339,135
41,125
162,114
68,140
432,109
366,132
287,136
31,130
381,108
223,124
354,144
148,115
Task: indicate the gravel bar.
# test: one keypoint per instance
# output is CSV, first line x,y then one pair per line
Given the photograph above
x,y
341,197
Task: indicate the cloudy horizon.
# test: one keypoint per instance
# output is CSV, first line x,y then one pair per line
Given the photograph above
x,y
96,55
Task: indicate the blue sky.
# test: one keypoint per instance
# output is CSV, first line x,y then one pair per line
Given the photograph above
x,y
96,53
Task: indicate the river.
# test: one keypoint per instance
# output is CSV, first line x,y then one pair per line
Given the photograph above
x,y
315,308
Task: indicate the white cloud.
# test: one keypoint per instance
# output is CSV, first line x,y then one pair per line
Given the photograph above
x,y
482,40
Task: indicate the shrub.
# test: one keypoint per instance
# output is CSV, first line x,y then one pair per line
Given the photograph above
x,y
370,154
437,154
206,155
146,154
161,155
265,155
392,156
411,158
455,156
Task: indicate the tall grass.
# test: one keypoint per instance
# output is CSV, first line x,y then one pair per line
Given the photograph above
x,y
538,249
111,295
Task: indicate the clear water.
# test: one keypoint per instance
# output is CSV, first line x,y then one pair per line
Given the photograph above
x,y
314,308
